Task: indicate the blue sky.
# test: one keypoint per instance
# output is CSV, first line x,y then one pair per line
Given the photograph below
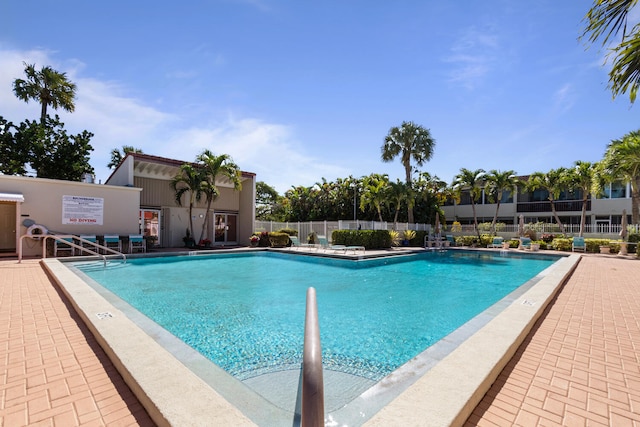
x,y
297,91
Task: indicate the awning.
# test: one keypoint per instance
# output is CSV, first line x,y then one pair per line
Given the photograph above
x,y
10,197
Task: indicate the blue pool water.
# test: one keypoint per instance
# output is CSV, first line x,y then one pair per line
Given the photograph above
x,y
245,312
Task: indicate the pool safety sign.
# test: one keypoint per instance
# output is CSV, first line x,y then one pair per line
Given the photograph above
x,y
82,210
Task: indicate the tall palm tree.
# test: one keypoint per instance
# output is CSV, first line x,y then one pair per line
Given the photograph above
x,y
605,19
188,181
117,155
622,162
472,181
47,86
375,193
411,142
554,182
212,168
497,183
582,177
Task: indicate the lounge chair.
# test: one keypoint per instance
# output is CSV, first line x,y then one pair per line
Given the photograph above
x,y
84,238
295,243
525,243
61,246
578,244
324,244
451,240
496,243
112,241
137,242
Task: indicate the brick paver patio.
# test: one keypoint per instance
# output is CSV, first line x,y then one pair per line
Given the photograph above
x,y
52,370
580,366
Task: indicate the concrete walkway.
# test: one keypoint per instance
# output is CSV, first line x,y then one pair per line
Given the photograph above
x,y
579,366
52,371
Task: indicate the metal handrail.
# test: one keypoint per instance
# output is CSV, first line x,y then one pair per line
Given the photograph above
x,y
312,381
61,238
99,247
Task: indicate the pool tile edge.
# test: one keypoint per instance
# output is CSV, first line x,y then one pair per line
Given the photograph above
x,y
124,343
449,392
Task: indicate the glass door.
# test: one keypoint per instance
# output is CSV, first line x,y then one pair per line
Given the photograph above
x,y
150,225
225,228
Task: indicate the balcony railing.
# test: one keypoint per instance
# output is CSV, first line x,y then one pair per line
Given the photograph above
x,y
561,206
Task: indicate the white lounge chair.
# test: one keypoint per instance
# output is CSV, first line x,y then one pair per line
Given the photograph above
x,y
112,241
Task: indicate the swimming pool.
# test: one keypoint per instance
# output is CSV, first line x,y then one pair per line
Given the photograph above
x,y
246,312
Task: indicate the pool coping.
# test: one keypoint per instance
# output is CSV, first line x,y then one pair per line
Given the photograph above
x,y
176,396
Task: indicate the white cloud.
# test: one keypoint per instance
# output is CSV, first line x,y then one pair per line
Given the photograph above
x,y
116,119
472,57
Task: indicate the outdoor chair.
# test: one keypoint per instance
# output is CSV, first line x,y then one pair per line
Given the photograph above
x,y
137,242
525,243
578,245
496,243
112,241
89,238
295,243
61,246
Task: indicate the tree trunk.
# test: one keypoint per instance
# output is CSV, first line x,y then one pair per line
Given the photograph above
x,y
495,217
555,215
635,201
407,175
475,219
584,214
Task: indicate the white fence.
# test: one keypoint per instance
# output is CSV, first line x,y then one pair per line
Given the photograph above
x,y
325,228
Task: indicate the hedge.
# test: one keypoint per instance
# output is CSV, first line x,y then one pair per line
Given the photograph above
x,y
370,239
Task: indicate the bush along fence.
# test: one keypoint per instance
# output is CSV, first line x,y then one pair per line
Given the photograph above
x,y
385,238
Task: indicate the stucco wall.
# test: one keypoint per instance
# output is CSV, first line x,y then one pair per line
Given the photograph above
x,y
43,204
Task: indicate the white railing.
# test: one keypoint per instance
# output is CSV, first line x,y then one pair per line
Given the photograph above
x,y
325,228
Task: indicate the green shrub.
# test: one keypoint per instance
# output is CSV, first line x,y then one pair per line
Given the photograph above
x,y
278,239
289,231
370,239
561,244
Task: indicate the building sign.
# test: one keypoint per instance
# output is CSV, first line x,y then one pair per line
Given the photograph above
x,y
82,210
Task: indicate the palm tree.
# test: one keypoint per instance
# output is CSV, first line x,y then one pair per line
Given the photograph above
x,y
375,193
212,168
497,183
553,182
117,155
605,19
471,181
410,141
582,177
622,162
399,192
47,86
188,180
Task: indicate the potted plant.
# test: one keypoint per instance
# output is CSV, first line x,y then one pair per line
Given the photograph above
x,y
254,240
205,242
189,241
408,236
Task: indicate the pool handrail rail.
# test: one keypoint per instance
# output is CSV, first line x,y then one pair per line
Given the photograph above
x,y
312,413
62,238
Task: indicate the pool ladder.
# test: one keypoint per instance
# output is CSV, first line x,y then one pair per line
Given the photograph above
x,y
312,382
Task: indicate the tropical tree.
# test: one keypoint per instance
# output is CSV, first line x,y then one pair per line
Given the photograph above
x,y
48,87
430,194
269,204
410,142
375,193
117,155
399,193
471,181
605,20
622,162
213,167
582,178
15,148
497,183
554,182
188,181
